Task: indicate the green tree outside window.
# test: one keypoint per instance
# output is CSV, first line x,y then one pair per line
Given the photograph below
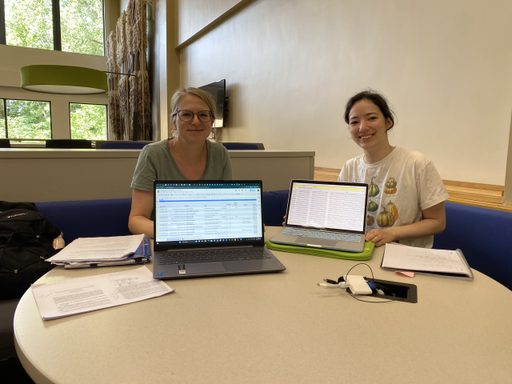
x,y
82,26
29,23
28,119
88,121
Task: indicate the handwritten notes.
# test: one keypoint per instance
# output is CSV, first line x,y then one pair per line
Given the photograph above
x,y
403,257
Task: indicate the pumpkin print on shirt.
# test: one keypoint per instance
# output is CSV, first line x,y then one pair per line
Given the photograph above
x,y
387,215
373,206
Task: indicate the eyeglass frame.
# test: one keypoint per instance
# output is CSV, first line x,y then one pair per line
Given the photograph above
x,y
194,114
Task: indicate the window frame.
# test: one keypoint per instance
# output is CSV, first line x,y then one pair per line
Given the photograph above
x,y
2,22
5,118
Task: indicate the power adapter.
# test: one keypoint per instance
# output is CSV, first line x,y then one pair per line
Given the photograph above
x,y
358,285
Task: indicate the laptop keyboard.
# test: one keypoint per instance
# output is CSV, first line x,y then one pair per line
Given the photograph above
x,y
317,234
211,255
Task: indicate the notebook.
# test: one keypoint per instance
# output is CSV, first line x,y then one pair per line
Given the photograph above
x,y
325,215
209,228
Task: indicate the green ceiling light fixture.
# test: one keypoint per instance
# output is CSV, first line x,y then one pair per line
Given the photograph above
x,y
63,79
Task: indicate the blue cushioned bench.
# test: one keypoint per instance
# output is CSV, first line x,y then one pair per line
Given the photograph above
x,y
84,218
484,236
109,217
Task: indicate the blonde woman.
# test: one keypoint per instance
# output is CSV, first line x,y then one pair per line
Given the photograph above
x,y
187,155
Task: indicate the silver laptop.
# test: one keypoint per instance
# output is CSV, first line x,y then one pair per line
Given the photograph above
x,y
322,214
209,228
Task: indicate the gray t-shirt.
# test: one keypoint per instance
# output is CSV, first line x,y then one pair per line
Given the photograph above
x,y
156,163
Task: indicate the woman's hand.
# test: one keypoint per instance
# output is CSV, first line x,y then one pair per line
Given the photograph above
x,y
380,236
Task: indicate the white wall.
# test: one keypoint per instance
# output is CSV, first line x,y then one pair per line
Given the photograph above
x,y
193,15
290,65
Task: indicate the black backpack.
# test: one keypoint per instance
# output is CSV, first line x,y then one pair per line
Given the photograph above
x,y
26,240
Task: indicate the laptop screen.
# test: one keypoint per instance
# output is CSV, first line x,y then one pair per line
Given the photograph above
x,y
207,213
327,205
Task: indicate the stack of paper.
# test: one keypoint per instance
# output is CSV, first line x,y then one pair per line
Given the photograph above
x,y
103,251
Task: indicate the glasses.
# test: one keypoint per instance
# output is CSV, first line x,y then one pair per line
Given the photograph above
x,y
187,116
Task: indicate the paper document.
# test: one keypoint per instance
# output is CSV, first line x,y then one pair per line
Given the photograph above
x,y
98,249
84,294
441,261
141,256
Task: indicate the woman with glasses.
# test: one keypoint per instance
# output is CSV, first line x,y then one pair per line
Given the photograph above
x,y
187,155
406,194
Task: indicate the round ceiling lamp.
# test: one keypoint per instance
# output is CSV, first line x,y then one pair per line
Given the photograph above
x,y
63,79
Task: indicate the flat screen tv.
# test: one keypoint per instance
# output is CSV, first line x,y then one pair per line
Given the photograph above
x,y
218,91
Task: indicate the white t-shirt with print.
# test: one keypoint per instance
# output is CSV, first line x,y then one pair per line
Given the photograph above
x,y
400,186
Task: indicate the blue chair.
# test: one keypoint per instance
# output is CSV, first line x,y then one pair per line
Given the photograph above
x,y
237,145
68,143
120,144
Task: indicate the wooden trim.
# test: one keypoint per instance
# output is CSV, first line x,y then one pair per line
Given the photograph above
x,y
478,186
477,192
326,174
215,23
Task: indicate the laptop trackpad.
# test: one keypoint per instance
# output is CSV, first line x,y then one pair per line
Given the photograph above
x,y
315,241
192,269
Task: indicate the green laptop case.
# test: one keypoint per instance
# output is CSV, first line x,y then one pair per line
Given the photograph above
x,y
366,254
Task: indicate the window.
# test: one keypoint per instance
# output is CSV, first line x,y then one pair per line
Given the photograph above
x,y
25,119
71,26
82,26
63,25
88,121
28,119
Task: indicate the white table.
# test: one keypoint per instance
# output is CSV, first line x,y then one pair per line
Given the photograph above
x,y
278,328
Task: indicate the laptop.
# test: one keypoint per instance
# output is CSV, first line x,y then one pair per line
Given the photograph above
x,y
209,228
326,215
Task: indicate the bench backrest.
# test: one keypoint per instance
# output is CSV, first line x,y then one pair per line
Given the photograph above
x,y
84,218
109,217
483,235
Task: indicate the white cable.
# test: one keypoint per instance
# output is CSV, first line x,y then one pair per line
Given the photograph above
x,y
342,284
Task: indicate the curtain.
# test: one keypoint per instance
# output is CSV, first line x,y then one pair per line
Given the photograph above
x,y
129,100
